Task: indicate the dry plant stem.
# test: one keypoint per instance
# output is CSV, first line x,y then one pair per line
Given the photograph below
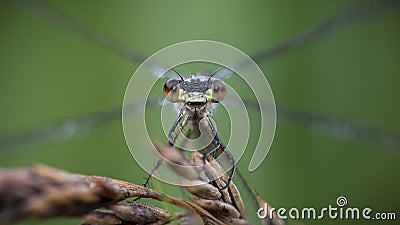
x,y
225,205
42,191
233,191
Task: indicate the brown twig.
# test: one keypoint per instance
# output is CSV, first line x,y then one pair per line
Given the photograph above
x,y
43,192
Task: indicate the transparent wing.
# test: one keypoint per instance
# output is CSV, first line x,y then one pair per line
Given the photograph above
x,y
336,128
164,72
223,73
323,123
70,127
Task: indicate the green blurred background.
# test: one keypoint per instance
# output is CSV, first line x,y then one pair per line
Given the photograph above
x,y
52,75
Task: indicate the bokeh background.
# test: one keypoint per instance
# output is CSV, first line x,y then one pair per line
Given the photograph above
x,y
338,105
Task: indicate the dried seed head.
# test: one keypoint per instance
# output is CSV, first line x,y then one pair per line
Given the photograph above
x,y
221,210
102,217
137,212
203,190
178,162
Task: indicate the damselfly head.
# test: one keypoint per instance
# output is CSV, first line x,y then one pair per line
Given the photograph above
x,y
195,90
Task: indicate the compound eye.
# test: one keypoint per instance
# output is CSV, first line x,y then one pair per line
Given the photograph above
x,y
218,90
171,90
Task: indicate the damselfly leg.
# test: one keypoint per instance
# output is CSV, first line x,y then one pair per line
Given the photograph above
x,y
223,149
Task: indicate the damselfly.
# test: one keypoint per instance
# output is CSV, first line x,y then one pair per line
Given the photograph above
x,y
195,97
328,124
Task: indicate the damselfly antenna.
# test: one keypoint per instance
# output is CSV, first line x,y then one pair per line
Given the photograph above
x,y
176,73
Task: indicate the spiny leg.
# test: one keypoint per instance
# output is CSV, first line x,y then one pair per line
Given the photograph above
x,y
218,145
159,162
171,142
232,161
